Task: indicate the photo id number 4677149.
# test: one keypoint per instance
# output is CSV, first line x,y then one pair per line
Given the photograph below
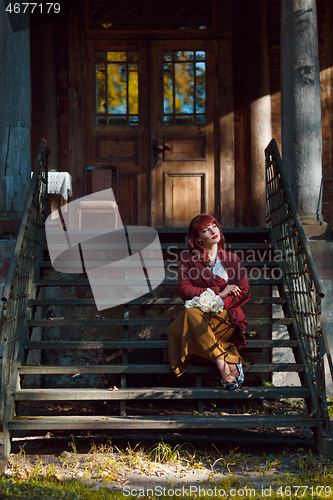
x,y
43,8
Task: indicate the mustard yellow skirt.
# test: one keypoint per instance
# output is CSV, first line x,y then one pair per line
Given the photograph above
x,y
197,333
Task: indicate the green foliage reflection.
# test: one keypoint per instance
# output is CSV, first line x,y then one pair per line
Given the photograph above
x,y
117,84
184,82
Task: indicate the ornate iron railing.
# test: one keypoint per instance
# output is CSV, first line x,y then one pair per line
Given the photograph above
x,y
19,282
301,276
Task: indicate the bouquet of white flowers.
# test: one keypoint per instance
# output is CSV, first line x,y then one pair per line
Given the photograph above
x,y
207,302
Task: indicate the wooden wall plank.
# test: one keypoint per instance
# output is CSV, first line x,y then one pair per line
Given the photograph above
x,y
61,64
273,34
76,99
144,139
225,140
239,118
44,91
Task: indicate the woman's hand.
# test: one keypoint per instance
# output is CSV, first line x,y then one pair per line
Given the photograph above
x,y
230,289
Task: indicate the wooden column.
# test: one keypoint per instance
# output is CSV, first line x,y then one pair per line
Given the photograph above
x,y
301,113
15,119
225,162
258,112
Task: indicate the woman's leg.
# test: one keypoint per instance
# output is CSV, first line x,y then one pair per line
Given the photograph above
x,y
228,374
234,370
190,334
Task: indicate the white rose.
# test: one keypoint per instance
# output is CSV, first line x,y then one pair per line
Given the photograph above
x,y
204,301
210,292
214,305
219,300
188,304
195,301
206,294
221,304
205,309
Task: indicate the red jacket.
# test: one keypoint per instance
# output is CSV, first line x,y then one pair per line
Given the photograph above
x,y
194,278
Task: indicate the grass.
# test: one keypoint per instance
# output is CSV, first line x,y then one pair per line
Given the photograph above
x,y
102,473
49,487
330,408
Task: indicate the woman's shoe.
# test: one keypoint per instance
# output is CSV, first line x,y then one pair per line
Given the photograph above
x,y
230,386
240,378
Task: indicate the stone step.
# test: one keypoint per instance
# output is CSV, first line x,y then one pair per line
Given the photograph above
x,y
163,393
139,322
141,344
150,368
160,422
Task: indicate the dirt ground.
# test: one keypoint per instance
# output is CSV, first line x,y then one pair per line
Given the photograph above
x,y
261,458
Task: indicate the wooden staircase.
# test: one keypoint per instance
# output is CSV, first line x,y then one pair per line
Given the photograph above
x,y
73,370
70,368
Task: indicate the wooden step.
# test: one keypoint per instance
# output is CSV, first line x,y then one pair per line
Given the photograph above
x,y
171,246
262,230
163,393
142,344
160,422
229,246
167,263
144,301
139,322
265,231
165,282
150,368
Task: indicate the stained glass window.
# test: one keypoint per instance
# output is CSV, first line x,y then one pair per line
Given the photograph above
x,y
117,88
184,87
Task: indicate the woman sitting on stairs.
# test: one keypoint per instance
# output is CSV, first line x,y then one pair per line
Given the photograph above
x,y
215,336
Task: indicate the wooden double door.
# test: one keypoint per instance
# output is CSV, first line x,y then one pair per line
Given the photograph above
x,y
150,110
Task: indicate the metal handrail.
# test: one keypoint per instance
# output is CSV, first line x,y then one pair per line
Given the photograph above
x,y
23,224
273,146
19,280
305,292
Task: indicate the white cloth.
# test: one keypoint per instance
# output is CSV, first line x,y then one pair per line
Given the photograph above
x,y
219,270
60,183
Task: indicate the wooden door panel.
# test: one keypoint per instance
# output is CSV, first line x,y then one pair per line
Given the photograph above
x,y
128,198
184,196
108,141
184,174
115,149
185,148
